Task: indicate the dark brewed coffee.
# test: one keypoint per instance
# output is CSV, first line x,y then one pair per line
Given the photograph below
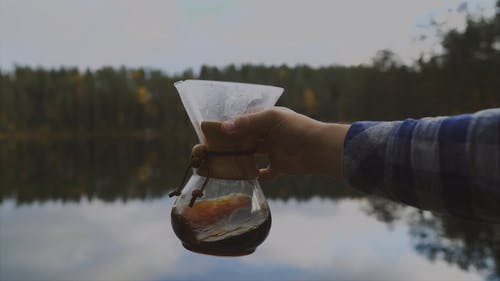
x,y
213,226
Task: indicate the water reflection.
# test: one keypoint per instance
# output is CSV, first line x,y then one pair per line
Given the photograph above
x,y
317,239
97,210
111,169
467,244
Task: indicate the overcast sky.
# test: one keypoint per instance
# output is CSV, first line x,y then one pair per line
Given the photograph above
x,y
175,35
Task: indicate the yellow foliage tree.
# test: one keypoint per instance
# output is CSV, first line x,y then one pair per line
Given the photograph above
x,y
143,95
311,102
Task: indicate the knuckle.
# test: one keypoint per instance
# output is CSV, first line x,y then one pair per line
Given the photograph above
x,y
273,113
242,122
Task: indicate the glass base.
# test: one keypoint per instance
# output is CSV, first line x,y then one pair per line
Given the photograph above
x,y
218,252
238,245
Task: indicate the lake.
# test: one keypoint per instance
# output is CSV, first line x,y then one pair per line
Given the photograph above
x,y
98,209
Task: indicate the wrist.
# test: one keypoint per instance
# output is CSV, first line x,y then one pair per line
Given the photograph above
x,y
330,148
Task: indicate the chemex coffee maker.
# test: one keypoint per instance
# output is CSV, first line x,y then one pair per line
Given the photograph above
x,y
221,210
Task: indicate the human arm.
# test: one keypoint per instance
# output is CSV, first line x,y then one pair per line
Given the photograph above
x,y
294,143
445,164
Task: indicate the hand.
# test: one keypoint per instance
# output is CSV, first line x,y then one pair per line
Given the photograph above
x,y
294,143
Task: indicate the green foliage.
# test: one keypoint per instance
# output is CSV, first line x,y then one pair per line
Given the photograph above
x,y
462,79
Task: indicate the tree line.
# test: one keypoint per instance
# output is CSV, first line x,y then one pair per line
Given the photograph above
x,y
463,78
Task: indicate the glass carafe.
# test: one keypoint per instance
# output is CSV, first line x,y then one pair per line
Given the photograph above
x,y
221,210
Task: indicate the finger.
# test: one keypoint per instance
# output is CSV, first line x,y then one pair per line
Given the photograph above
x,y
263,146
267,174
258,123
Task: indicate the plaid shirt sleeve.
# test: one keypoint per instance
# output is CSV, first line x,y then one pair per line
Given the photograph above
x,y
443,164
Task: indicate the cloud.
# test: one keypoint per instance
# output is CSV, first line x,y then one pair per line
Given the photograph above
x,y
175,35
317,239
87,33
91,241
338,241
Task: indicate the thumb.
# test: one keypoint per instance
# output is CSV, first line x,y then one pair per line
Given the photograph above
x,y
258,123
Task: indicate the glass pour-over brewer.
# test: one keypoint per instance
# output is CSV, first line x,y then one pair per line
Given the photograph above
x,y
221,209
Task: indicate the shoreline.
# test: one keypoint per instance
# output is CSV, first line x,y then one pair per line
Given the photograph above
x,y
64,135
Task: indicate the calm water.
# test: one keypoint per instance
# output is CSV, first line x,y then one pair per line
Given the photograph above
x,y
99,210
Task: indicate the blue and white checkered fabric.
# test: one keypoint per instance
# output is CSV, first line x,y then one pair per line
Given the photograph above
x,y
444,164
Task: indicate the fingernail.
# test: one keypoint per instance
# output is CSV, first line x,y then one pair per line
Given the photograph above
x,y
228,126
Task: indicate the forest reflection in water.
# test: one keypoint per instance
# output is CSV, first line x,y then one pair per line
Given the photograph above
x,y
67,171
